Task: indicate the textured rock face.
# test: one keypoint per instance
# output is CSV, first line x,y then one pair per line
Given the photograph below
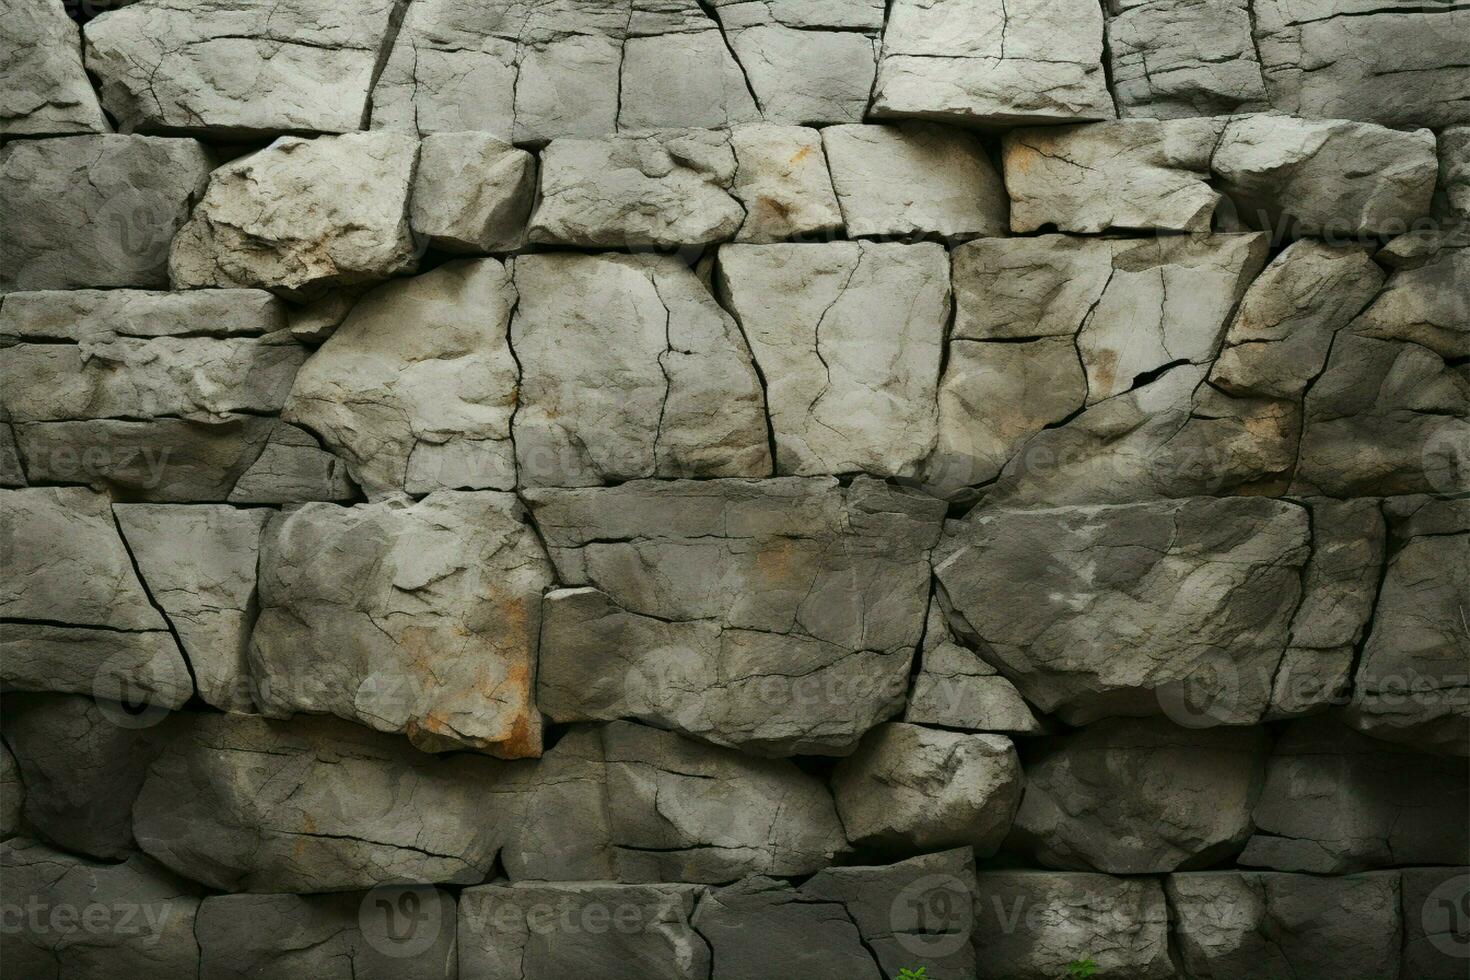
x,y
1433,944
955,688
301,216
980,61
1135,796
778,616
47,90
909,788
472,193
416,388
848,337
781,180
12,795
1454,170
292,468
1175,58
629,368
131,920
238,70
94,210
419,619
1278,926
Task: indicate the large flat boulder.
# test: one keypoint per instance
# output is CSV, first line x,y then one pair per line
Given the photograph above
x,y
1175,58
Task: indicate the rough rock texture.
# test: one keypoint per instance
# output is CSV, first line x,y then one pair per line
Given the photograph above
x,y
1434,943
415,618
103,315
909,788
12,794
472,193
47,92
779,616
1175,58
761,926
1032,925
629,368
631,191
292,468
79,918
388,933
1336,801
782,181
848,337
1454,171
73,615
253,69
301,216
1129,796
1107,610
416,388
980,61
94,210
914,179
956,688
1283,927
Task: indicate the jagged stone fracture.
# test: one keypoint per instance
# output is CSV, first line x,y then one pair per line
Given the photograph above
x,y
84,211
47,92
239,70
12,794
782,182
472,193
629,369
420,618
776,616
1177,58
74,616
956,688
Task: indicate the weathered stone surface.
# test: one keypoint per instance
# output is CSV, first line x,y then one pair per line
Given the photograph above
x,y
472,193
979,61
1031,925
955,688
106,315
416,388
1325,178
1109,610
292,468
1399,65
629,368
314,321
1174,58
12,474
1336,801
682,811
1283,927
781,180
1421,303
82,769
79,918
301,216
778,616
1413,679
760,927
253,69
629,191
909,788
94,210
914,179
199,564
73,615
533,931
1134,796
848,337
47,92
1434,943
12,794
1454,171
385,934
416,618
807,63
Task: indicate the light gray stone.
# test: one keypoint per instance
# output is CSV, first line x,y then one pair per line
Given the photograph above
x,y
629,191
979,61
848,337
292,468
914,179
199,564
781,180
1138,796
106,315
416,389
472,193
419,618
314,321
47,92
1176,58
761,927
302,215
1422,302
95,210
1105,610
238,70
1033,925
73,615
629,368
12,474
1283,927
777,616
1434,943
1336,801
956,688
129,921
909,788
1454,171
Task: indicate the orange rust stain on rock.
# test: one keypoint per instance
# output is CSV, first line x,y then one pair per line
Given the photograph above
x,y
1105,368
800,155
780,208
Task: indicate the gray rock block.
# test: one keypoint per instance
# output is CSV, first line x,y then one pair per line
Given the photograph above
x,y
12,794
47,92
1432,900
292,468
956,688
1454,171
472,193
782,181
1176,58
108,315
99,211
760,927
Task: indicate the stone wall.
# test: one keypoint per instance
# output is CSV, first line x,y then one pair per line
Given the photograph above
x,y
735,489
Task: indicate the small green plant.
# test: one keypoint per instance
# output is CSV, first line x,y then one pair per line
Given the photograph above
x,y
922,973
1081,969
